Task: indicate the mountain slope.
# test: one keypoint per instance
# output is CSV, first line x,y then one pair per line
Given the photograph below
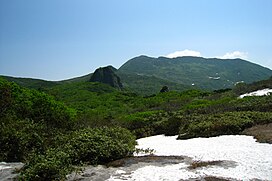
x,y
146,75
147,85
207,73
32,83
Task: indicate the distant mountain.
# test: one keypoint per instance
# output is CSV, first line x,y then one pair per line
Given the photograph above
x,y
204,73
147,75
83,78
108,76
32,83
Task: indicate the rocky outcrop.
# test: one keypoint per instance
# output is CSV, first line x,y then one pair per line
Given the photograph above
x,y
108,76
164,89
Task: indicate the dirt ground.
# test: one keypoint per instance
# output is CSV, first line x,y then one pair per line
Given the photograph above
x,y
263,133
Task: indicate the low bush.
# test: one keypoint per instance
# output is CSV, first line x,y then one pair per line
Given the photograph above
x,y
19,138
55,164
100,145
87,146
222,124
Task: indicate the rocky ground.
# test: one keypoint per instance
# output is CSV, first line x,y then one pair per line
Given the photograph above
x,y
8,171
121,169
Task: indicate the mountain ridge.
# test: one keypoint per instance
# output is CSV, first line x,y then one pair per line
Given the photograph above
x,y
146,75
198,71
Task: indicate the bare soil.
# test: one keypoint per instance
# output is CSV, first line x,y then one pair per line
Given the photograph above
x,y
263,133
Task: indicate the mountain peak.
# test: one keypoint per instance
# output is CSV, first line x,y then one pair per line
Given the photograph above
x,y
108,76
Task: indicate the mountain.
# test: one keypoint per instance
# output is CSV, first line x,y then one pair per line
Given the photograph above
x,y
83,78
204,73
146,75
32,83
148,85
108,76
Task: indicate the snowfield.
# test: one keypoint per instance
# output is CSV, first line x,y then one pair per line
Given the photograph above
x,y
245,158
242,159
263,92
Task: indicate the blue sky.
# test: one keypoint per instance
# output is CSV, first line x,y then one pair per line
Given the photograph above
x,y
61,39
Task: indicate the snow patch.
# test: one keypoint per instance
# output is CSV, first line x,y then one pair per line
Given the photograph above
x,y
240,82
263,92
253,160
4,165
215,78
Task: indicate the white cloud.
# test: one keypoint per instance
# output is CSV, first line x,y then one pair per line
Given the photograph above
x,y
235,54
184,53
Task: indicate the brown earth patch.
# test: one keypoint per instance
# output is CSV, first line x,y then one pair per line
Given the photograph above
x,y
146,159
263,133
198,164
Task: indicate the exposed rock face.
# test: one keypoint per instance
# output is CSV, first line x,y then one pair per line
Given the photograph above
x,y
107,75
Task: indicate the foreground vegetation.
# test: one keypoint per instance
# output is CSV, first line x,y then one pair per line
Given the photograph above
x,y
78,123
46,135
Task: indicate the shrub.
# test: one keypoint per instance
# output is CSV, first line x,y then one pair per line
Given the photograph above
x,y
100,145
28,120
19,138
87,146
53,165
222,124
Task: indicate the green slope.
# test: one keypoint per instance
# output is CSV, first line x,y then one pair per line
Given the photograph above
x,y
207,73
146,75
31,83
83,78
147,85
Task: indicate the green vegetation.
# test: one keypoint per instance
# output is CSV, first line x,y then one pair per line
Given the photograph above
x,y
46,135
148,84
76,123
204,73
88,146
146,76
222,124
37,84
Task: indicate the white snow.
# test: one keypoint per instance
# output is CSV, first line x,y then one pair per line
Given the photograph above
x,y
262,92
4,165
215,78
253,160
239,82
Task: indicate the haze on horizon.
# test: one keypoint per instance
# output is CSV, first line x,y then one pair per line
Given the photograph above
x,y
61,39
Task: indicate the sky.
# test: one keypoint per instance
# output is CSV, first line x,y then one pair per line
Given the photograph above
x,y
61,39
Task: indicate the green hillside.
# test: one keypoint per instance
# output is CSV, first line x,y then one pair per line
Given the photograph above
x,y
31,83
205,73
83,78
146,75
148,85
89,123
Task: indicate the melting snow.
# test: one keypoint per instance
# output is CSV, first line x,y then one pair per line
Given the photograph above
x,y
239,82
252,160
215,78
4,165
263,92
